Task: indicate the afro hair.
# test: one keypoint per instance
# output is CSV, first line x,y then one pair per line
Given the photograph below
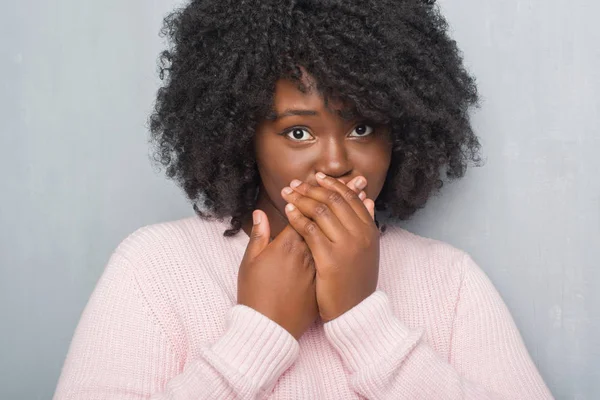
x,y
392,60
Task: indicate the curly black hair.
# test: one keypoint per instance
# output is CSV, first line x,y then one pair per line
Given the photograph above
x,y
393,60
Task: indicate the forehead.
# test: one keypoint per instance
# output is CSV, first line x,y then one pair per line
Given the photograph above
x,y
288,96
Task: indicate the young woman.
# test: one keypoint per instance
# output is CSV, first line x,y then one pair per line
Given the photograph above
x,y
296,125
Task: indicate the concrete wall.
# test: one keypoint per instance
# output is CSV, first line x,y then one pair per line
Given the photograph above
x,y
78,83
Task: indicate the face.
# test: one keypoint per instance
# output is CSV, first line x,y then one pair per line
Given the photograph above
x,y
298,146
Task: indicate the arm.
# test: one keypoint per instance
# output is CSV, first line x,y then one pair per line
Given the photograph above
x,y
488,359
121,351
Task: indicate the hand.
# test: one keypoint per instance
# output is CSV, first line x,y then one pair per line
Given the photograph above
x,y
340,231
277,279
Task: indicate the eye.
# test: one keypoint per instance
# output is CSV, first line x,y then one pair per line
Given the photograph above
x,y
363,130
297,134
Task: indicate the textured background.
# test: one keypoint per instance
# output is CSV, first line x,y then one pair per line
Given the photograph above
x,y
78,81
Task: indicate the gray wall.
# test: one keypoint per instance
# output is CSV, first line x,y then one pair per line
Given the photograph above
x,y
78,83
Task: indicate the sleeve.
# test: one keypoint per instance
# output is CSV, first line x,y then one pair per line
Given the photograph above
x,y
121,351
488,359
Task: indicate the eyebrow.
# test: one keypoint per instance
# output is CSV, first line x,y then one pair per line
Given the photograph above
x,y
272,116
288,113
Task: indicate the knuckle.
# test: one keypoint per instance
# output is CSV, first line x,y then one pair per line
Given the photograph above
x,y
350,195
321,210
297,247
288,246
310,227
335,198
296,217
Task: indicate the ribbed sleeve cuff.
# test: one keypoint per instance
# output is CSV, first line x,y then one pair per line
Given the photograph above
x,y
257,347
367,333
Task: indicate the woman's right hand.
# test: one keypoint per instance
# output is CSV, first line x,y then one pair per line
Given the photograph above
x,y
277,279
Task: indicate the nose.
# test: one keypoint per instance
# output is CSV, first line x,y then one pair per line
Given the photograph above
x,y
333,159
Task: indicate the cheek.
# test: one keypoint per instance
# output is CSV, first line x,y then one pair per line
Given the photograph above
x,y
277,167
375,170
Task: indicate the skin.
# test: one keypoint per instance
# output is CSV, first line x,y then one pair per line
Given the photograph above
x,y
324,258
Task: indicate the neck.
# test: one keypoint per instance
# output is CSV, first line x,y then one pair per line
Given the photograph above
x,y
277,221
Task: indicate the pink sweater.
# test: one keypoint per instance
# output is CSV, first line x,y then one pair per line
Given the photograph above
x,y
162,323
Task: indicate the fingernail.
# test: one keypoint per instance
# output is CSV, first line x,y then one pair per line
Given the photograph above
x,y
287,190
362,195
360,183
256,217
295,183
290,207
320,175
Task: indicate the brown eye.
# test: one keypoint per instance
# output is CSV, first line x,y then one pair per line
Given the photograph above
x,y
298,134
363,130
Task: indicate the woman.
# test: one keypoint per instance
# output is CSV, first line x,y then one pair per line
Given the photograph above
x,y
291,122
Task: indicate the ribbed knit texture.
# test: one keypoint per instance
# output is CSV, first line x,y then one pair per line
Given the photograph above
x,y
163,323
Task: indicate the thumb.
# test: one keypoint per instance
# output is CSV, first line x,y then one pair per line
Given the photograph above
x,y
261,232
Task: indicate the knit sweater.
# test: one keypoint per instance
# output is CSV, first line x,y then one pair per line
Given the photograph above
x,y
163,323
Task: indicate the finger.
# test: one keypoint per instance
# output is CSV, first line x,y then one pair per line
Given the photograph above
x,y
371,207
357,183
317,211
352,185
335,204
289,239
259,236
289,234
352,200
309,230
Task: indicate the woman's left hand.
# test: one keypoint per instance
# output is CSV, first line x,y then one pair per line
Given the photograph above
x,y
344,241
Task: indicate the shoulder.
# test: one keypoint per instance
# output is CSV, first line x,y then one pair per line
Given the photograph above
x,y
399,242
421,260
173,242
177,266
417,265
423,278
171,260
